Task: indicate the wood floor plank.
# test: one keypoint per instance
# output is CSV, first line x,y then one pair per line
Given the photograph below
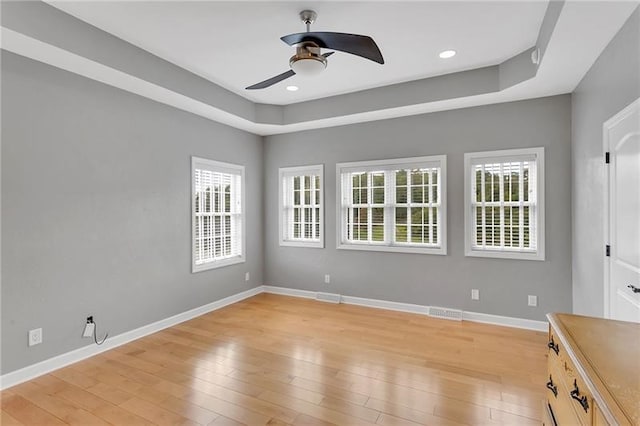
x,y
285,388
228,410
314,410
75,377
422,413
109,393
276,360
225,421
354,410
82,398
463,412
154,413
119,416
7,419
190,411
29,413
328,390
305,420
67,411
503,417
257,405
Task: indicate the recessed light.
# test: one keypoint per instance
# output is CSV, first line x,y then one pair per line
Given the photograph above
x,y
292,88
446,54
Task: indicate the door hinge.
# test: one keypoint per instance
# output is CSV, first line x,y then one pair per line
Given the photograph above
x,y
608,250
606,157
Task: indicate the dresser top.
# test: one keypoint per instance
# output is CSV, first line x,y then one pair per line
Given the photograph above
x,y
611,350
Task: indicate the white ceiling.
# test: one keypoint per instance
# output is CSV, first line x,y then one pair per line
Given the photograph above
x,y
236,44
582,31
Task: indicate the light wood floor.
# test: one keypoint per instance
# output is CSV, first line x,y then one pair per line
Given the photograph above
x,y
278,360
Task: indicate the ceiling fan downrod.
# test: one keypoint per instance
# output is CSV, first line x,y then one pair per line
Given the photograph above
x,y
308,17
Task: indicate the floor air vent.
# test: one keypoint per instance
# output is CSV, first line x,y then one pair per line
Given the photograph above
x,y
445,313
328,297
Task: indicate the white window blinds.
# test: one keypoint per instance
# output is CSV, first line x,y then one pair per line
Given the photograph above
x,y
301,210
218,219
393,205
504,202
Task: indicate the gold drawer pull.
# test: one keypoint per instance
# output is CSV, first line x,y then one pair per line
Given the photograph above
x,y
553,345
553,388
575,394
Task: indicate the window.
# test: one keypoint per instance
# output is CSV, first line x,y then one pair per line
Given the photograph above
x,y
504,204
217,214
301,212
393,205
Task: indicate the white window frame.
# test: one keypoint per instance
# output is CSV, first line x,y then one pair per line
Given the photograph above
x,y
285,211
236,202
439,161
496,157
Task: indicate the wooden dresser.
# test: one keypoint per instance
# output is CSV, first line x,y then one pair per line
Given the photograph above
x,y
593,372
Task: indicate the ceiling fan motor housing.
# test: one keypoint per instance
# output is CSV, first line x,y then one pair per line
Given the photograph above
x,y
308,61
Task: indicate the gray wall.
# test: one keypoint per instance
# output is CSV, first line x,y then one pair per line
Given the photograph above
x,y
96,209
430,279
612,83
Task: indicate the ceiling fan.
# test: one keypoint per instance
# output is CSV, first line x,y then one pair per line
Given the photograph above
x,y
309,60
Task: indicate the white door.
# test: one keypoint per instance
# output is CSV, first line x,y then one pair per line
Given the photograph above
x,y
622,140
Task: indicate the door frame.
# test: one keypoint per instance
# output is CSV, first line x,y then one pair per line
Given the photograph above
x,y
632,108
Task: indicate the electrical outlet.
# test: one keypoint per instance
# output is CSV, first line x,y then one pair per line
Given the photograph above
x,y
475,294
533,300
35,336
327,279
247,276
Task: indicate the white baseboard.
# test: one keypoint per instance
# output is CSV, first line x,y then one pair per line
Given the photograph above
x,y
385,304
46,366
506,321
51,364
416,309
289,292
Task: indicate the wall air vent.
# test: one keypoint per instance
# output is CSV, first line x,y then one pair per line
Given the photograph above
x,y
328,297
445,313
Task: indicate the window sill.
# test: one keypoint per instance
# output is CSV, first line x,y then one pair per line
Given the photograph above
x,y
217,264
307,244
442,251
504,254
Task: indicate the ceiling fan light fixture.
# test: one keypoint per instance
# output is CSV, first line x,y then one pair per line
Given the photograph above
x,y
307,66
308,61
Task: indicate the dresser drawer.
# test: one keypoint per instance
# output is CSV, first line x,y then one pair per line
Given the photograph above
x,y
559,399
572,391
578,392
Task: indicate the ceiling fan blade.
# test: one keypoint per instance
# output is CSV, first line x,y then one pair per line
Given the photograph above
x,y
355,44
273,80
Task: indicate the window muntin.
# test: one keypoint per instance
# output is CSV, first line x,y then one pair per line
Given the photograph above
x,y
301,210
217,214
504,210
392,205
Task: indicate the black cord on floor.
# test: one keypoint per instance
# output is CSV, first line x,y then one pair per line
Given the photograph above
x,y
95,334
